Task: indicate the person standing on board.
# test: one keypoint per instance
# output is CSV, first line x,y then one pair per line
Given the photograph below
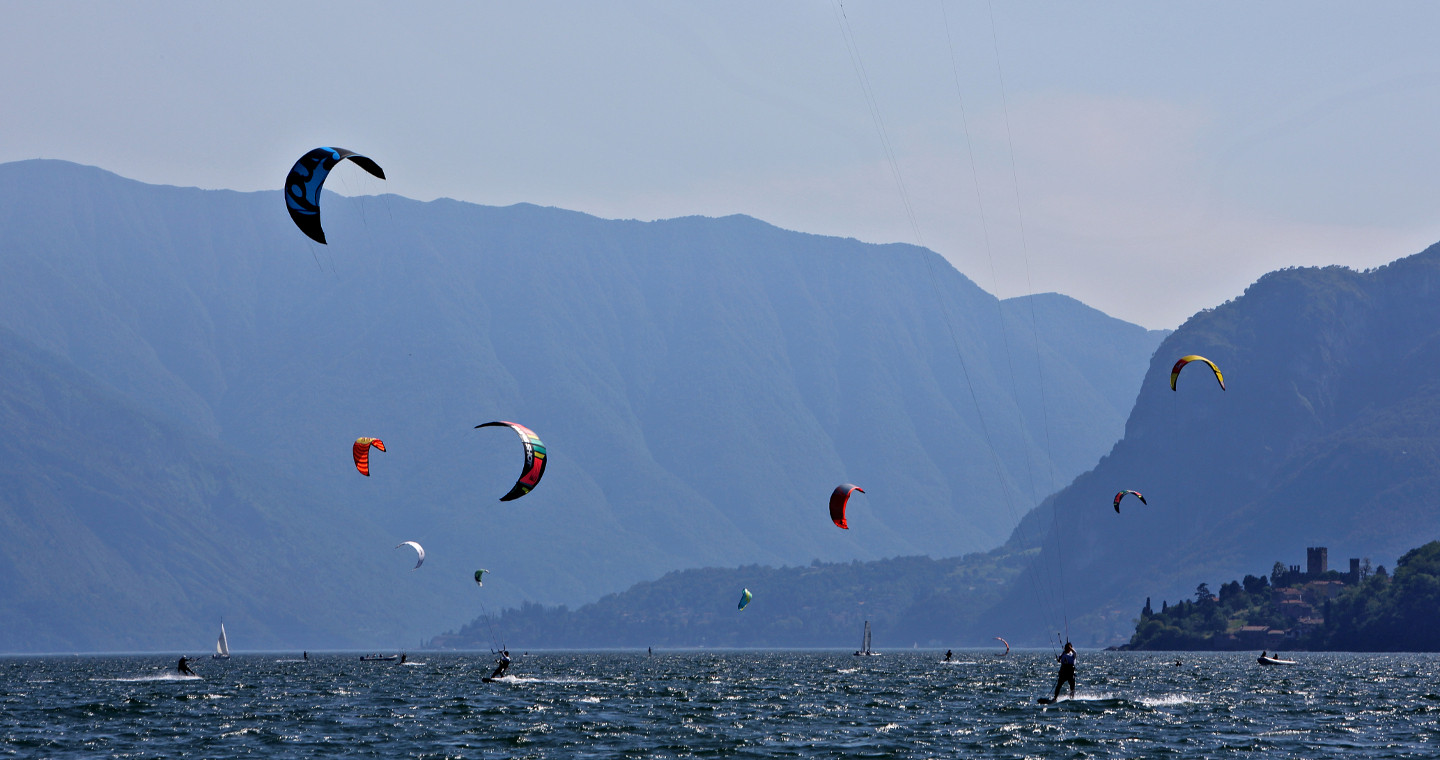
x,y
501,665
1067,671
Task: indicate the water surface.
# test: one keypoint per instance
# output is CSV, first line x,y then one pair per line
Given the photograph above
x,y
768,704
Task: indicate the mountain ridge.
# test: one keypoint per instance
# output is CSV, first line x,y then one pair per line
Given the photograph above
x,y
700,384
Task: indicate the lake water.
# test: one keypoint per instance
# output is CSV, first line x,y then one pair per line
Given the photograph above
x,y
737,704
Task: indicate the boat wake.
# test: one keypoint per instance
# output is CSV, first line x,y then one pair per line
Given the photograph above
x,y
1091,697
1167,700
156,677
1102,700
531,679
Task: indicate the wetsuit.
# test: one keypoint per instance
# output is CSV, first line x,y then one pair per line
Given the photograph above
x,y
501,665
184,667
948,655
1067,672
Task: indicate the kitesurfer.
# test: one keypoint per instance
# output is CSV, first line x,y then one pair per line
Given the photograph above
x,y
501,665
305,656
402,658
948,655
1067,671
184,666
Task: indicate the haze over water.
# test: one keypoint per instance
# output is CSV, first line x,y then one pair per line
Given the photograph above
x,y
745,704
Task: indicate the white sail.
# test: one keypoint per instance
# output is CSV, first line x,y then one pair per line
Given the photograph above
x,y
222,646
866,648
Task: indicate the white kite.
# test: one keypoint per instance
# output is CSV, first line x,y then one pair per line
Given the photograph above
x,y
420,550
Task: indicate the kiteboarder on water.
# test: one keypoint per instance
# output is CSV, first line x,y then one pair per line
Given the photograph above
x,y
1067,671
948,655
501,665
184,666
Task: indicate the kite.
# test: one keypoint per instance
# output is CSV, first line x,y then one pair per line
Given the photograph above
x,y
1175,371
479,574
1121,495
744,598
1007,646
838,499
307,176
418,550
534,459
362,453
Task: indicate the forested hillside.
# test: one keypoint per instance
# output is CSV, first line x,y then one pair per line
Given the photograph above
x,y
1324,436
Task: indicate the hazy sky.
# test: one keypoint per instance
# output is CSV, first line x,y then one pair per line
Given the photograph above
x,y
1166,153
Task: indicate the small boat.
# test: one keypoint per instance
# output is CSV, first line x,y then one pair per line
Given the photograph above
x,y
865,646
222,646
379,657
1264,660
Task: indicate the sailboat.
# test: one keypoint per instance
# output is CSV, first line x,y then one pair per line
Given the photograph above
x,y
222,646
865,650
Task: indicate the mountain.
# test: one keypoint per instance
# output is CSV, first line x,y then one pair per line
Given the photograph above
x,y
700,384
124,530
910,600
1324,436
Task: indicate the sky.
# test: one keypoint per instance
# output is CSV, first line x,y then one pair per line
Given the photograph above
x,y
1148,158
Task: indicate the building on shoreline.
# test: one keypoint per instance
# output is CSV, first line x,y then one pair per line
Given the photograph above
x,y
1267,612
1302,600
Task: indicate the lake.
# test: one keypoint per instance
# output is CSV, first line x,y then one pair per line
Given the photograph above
x,y
731,704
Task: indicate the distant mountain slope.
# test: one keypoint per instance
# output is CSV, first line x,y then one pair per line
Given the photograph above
x,y
909,600
701,384
123,531
1326,436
